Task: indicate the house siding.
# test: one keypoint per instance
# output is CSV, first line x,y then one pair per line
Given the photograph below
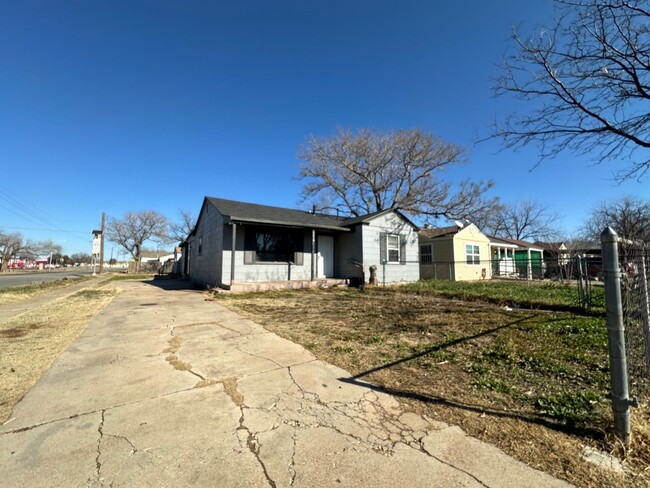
x,y
262,272
206,267
470,272
372,231
442,267
349,251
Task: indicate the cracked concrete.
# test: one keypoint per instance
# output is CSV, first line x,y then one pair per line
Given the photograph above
x,y
114,410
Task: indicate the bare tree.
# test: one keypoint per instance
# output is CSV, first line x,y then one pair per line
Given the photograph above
x,y
15,245
526,220
629,217
135,228
367,171
11,244
81,258
587,76
181,229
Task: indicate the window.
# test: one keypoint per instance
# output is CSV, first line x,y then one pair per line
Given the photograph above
x,y
200,245
392,249
472,254
269,245
426,255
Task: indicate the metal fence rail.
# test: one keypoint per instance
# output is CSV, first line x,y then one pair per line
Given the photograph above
x,y
558,269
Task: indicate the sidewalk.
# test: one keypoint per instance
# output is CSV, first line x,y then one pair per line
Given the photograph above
x,y
9,310
167,389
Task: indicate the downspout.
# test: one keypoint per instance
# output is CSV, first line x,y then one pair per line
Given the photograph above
x,y
313,254
232,253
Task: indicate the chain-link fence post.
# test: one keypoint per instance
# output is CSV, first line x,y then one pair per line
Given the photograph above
x,y
615,334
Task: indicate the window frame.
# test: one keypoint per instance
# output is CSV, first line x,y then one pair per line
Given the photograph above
x,y
291,254
472,255
396,248
428,254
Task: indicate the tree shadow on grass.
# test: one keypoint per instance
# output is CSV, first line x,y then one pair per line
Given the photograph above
x,y
479,409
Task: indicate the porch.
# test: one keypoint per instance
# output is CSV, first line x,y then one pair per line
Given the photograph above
x,y
248,287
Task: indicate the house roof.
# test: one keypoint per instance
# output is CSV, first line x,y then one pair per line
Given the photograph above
x,y
368,217
551,246
505,241
265,214
440,231
235,211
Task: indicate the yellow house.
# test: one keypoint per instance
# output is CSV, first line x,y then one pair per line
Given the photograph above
x,y
458,253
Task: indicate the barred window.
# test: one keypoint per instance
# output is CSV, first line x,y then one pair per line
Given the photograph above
x,y
426,254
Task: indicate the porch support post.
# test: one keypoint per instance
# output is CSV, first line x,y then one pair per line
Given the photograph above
x,y
313,254
530,267
232,253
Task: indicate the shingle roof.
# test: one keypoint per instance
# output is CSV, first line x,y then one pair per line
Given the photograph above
x,y
365,218
265,214
440,231
514,242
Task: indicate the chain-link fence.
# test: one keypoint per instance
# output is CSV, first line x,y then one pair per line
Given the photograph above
x,y
569,269
634,259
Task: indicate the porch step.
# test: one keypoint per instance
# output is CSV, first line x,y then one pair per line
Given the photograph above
x,y
286,285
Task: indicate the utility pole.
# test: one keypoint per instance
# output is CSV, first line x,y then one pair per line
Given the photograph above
x,y
101,248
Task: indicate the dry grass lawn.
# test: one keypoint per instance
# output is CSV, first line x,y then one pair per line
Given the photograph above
x,y
30,342
20,293
530,382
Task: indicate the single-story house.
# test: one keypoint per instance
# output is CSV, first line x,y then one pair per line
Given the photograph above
x,y
458,252
157,256
236,242
516,258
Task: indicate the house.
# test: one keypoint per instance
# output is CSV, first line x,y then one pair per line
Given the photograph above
x,y
235,243
458,253
156,256
516,258
557,258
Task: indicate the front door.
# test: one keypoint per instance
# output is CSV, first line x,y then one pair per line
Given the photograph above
x,y
325,256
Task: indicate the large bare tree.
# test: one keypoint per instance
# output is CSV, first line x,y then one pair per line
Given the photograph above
x,y
136,228
11,244
587,78
526,220
181,229
629,217
14,244
366,171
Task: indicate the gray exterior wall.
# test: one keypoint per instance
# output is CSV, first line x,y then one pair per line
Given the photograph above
x,y
212,267
262,271
391,223
348,247
206,267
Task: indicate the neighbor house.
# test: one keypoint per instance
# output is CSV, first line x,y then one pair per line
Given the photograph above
x,y
458,253
516,258
237,243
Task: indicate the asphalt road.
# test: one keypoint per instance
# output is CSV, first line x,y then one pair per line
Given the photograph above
x,y
21,278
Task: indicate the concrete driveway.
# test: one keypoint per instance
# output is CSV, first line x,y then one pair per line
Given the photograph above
x,y
165,388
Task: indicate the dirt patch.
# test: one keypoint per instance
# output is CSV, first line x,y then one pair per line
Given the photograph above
x,y
32,341
530,382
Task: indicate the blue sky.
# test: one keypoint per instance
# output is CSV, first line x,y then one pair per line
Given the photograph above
x,y
154,104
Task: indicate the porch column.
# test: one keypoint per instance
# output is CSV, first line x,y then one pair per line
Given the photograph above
x,y
232,253
530,267
313,254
